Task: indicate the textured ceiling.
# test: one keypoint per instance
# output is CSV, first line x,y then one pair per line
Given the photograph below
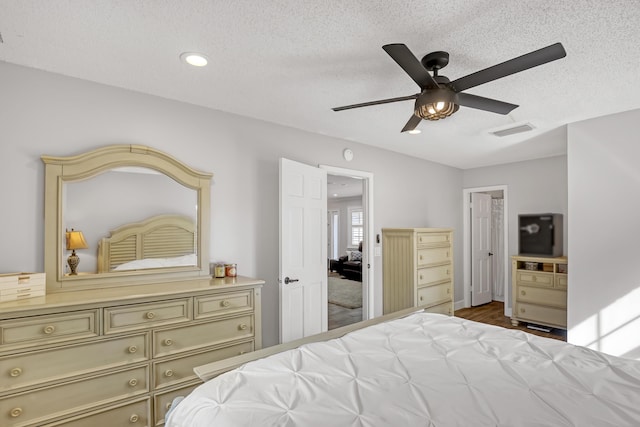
x,y
290,61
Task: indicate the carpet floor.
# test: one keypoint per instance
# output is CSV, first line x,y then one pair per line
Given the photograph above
x,y
345,293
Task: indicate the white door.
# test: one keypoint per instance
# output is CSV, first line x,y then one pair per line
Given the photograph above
x,y
303,250
480,248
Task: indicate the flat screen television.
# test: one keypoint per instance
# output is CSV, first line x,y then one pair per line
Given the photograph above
x,y
540,234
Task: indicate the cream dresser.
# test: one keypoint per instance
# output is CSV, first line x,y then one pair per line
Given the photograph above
x,y
118,356
539,290
417,269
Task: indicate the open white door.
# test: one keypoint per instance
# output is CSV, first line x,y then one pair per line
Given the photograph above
x,y
303,250
480,248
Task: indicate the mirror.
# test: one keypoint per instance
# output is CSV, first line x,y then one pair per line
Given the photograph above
x,y
144,217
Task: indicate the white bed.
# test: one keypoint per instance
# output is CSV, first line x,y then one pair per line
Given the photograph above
x,y
422,370
159,241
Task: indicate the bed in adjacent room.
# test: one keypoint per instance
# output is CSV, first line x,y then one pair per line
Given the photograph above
x,y
419,370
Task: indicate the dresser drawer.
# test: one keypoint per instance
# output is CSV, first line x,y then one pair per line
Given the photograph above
x,y
544,315
180,369
433,239
542,296
435,294
215,305
142,316
170,341
162,401
26,369
446,308
561,281
434,274
51,328
133,414
533,278
434,256
34,406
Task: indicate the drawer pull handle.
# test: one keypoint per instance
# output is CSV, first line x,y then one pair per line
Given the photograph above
x,y
534,278
150,315
226,303
133,349
523,293
448,290
522,310
243,327
447,271
447,254
421,298
134,418
420,257
243,352
421,277
168,373
133,382
168,341
15,372
168,406
49,329
16,412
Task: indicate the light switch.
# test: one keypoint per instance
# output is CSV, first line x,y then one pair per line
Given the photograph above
x,y
377,251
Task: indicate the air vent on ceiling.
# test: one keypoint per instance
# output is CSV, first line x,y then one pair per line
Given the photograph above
x,y
513,130
526,127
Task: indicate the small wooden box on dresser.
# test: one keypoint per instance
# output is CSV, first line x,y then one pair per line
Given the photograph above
x,y
117,356
539,290
417,269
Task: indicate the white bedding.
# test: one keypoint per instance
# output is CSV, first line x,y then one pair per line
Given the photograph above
x,y
139,264
423,370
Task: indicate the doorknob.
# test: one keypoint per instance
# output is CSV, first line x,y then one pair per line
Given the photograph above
x,y
490,254
287,280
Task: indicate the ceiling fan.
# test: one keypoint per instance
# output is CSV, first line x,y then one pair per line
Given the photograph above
x,y
439,98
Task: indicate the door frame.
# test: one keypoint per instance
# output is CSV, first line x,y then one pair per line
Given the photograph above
x,y
368,302
331,224
466,248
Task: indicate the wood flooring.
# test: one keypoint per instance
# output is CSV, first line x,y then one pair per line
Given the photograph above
x,y
341,316
493,314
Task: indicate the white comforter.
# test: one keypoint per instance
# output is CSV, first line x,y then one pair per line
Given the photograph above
x,y
423,370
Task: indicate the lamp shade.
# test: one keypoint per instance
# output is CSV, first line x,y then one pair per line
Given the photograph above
x,y
75,240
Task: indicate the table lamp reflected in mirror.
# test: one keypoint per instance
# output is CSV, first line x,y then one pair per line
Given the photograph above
x,y
75,240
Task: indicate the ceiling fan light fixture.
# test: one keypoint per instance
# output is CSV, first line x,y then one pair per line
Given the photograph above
x,y
414,131
436,104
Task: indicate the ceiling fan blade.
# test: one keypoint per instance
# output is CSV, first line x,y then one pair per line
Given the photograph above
x,y
486,104
382,101
412,123
410,64
515,65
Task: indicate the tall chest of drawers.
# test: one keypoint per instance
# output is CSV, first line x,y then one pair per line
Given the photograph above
x,y
109,358
539,290
417,269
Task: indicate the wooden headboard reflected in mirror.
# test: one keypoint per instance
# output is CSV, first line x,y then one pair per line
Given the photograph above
x,y
155,208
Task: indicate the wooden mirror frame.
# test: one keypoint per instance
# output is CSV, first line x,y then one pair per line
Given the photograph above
x,y
59,170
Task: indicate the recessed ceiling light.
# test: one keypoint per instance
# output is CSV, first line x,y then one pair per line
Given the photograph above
x,y
414,131
195,59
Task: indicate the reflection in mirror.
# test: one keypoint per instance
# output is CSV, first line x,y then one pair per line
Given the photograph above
x,y
131,202
122,197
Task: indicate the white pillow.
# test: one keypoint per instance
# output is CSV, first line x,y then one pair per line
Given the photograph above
x,y
349,255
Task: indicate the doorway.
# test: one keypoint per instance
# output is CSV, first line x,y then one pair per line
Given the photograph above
x,y
499,260
350,273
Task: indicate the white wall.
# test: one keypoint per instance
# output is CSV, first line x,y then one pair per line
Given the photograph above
x,y
604,244
45,113
343,205
534,186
